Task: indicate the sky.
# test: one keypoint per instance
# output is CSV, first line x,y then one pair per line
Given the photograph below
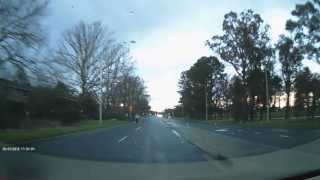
x,y
170,35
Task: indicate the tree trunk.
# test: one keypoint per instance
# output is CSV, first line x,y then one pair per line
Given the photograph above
x,y
286,116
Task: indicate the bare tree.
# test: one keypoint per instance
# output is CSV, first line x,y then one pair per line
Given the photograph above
x,y
117,65
20,30
81,53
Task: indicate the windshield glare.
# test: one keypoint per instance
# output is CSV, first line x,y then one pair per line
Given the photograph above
x,y
159,89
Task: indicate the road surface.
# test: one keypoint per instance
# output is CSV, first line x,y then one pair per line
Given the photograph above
x,y
158,148
159,140
148,141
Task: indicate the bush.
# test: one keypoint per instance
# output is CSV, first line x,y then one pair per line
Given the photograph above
x,y
54,103
12,114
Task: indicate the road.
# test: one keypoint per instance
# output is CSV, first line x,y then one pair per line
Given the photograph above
x,y
158,148
148,141
275,137
159,140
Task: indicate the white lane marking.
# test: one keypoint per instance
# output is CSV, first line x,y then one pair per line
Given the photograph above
x,y
283,136
122,139
138,128
258,132
176,133
222,130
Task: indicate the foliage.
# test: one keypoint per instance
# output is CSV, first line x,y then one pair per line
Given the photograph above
x,y
201,81
245,44
53,103
305,26
307,92
290,58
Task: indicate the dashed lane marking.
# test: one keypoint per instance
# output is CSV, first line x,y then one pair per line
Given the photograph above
x,y
122,139
283,136
222,130
176,133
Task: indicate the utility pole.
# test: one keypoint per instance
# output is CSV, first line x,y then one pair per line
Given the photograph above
x,y
100,98
206,101
267,95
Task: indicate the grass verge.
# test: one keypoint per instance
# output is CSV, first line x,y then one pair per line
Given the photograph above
x,y
309,123
275,123
20,136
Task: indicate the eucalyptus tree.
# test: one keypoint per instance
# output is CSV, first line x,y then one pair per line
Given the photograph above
x,y
290,57
305,27
200,85
245,44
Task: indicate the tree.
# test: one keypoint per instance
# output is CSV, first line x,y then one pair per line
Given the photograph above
x,y
302,86
315,90
118,65
307,92
306,27
200,84
20,30
290,58
237,91
81,52
53,103
245,45
130,96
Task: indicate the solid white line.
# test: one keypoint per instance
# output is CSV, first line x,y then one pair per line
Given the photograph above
x,y
138,128
122,139
176,133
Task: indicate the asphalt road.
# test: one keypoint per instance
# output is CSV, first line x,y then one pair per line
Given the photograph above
x,y
154,140
277,137
148,141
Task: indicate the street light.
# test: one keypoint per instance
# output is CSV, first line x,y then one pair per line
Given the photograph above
x,y
100,98
206,100
267,96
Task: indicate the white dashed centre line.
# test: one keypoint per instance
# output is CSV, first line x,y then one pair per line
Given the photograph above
x,y
122,139
221,130
283,136
176,133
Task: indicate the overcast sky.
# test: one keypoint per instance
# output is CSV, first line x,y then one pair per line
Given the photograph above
x,y
169,34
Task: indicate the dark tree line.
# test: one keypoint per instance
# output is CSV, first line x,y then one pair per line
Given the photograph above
x,y
246,45
67,83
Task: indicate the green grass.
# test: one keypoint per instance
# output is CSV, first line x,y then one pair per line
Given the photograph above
x,y
20,136
275,123
296,122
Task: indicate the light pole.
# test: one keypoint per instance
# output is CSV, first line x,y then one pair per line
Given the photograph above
x,y
206,101
100,98
267,94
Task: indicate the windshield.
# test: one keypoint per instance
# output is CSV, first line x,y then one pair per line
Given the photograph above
x,y
159,89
